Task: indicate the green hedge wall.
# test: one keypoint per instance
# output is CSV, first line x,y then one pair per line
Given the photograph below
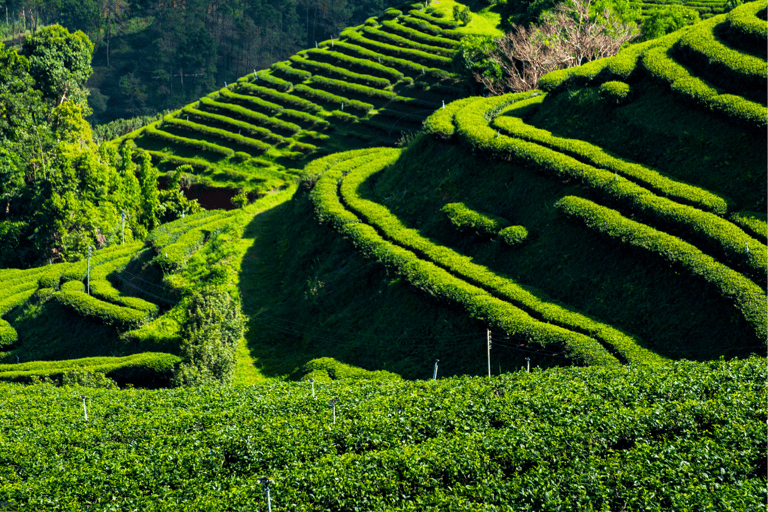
x,y
233,124
295,74
320,95
440,123
250,115
8,335
591,154
271,94
217,133
745,27
252,101
478,276
429,28
445,24
715,232
421,37
466,219
366,65
123,318
416,56
749,298
323,68
201,145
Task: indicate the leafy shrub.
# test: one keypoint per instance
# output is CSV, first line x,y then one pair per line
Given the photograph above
x,y
440,123
183,141
466,219
252,102
394,39
328,69
353,88
435,19
749,298
371,67
225,135
514,235
211,333
8,335
233,124
291,72
321,95
305,118
744,27
462,14
110,314
327,369
87,378
278,83
415,35
615,92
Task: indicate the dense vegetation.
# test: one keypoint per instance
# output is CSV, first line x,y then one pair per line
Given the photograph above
x,y
682,436
600,229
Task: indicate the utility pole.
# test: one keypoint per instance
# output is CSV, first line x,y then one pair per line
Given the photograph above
x,y
88,270
122,224
434,374
488,335
528,364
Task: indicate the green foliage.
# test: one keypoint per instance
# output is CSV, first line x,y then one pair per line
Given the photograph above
x,y
421,37
417,57
8,335
404,42
745,27
440,123
470,220
689,434
250,115
211,333
462,14
232,124
472,58
446,24
353,88
200,145
273,95
368,65
326,369
278,83
615,91
87,378
224,135
251,101
667,19
118,316
747,296
323,68
320,95
287,70
513,235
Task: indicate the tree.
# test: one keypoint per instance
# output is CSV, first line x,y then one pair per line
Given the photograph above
x,y
664,20
211,333
569,36
60,64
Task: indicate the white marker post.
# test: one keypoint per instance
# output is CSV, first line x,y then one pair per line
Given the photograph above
x,y
434,373
264,481
85,408
332,403
312,381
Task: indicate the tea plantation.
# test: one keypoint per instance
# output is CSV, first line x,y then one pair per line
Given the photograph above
x,y
607,229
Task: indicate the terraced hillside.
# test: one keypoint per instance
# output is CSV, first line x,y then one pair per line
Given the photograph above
x,y
705,8
366,88
615,216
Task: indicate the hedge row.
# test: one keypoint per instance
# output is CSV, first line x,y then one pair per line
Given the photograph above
x,y
420,103
743,21
118,316
362,90
15,277
101,288
753,223
722,235
388,60
321,95
11,288
467,219
278,83
622,67
10,302
329,69
749,298
77,271
8,335
288,99
317,168
732,69
171,231
303,147
370,67
244,113
148,369
416,56
449,24
51,277
173,257
440,123
252,101
218,133
304,117
658,63
201,145
291,72
402,42
421,37
233,124
595,156
478,275
429,28
514,235
440,283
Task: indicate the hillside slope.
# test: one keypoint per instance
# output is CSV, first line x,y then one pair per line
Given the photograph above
x,y
615,216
